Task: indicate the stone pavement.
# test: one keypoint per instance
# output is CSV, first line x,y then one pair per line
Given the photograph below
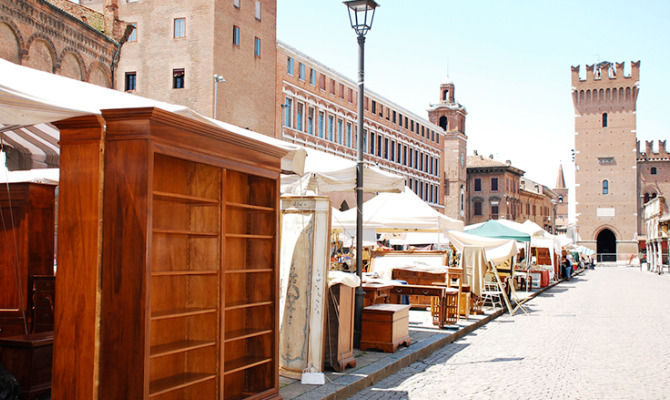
x,y
372,366
603,335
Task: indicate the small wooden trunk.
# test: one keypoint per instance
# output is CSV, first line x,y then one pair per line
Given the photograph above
x,y
464,305
385,327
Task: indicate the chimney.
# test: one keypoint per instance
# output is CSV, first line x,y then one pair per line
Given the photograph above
x,y
111,14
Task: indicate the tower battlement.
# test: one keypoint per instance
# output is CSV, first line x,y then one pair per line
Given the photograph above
x,y
606,88
606,71
649,152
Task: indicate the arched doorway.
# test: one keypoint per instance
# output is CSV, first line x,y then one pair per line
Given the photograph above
x,y
606,245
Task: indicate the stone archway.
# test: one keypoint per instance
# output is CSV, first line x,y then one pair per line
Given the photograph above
x,y
606,245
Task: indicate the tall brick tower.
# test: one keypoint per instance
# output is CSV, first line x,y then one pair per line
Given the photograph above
x,y
450,115
606,178
561,191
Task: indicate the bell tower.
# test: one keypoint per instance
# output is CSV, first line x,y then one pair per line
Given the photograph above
x,y
606,178
450,116
561,191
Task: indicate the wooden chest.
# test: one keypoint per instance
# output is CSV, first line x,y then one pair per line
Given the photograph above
x,y
28,358
385,327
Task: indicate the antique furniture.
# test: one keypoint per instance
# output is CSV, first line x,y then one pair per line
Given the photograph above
x,y
443,303
340,328
304,255
385,327
420,275
376,293
28,358
26,250
168,260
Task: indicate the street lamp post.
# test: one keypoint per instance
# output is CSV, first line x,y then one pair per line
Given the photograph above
x,y
361,15
217,79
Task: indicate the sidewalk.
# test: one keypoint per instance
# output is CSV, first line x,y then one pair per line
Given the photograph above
x,y
373,366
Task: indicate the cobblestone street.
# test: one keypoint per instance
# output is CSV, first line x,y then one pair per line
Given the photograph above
x,y
603,335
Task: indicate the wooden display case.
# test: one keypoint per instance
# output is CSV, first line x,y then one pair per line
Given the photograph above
x,y
188,268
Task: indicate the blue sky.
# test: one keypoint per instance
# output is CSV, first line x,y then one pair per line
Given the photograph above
x,y
510,62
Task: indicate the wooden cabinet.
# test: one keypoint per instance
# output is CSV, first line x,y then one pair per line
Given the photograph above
x,y
340,328
26,250
188,272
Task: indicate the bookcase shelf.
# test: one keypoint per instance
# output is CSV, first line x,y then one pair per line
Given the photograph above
x,y
188,274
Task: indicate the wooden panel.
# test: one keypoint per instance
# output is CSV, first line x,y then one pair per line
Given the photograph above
x,y
75,362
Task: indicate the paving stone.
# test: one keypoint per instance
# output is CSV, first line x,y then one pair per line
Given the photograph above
x,y
602,335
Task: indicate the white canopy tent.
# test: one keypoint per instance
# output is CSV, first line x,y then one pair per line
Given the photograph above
x,y
397,212
325,173
30,100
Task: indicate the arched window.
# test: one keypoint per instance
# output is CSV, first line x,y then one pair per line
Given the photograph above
x,y
606,187
653,170
604,121
445,95
443,122
560,199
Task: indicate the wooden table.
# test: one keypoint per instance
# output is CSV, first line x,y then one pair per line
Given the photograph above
x,y
376,293
444,302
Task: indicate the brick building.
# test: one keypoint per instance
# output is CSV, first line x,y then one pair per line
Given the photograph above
x,y
178,47
614,177
498,190
318,109
63,38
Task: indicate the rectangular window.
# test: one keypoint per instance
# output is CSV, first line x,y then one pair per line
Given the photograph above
x,y
289,65
310,121
494,184
321,122
400,119
411,158
392,151
257,47
178,78
236,35
386,148
381,110
394,117
350,95
131,81
322,82
288,115
298,116
349,142
312,76
406,123
179,27
301,71
422,130
379,145
236,3
331,127
372,143
437,138
494,212
332,86
258,10
133,34
341,91
411,126
421,162
478,185
374,107
478,207
340,132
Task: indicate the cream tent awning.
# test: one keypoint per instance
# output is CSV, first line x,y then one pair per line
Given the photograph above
x,y
394,212
30,100
326,173
497,250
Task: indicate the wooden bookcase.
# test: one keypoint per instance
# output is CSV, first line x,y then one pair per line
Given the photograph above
x,y
189,271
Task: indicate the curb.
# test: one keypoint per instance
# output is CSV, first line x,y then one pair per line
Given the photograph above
x,y
352,383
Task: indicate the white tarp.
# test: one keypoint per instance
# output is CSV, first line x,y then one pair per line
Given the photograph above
x,y
30,100
326,173
389,212
497,250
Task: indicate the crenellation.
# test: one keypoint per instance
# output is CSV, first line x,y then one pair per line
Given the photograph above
x,y
649,149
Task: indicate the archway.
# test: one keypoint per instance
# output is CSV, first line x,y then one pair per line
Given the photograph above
x,y
443,122
606,245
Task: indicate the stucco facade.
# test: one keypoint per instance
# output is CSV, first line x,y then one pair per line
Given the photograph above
x,y
180,45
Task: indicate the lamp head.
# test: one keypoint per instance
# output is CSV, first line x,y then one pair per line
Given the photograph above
x,y
361,15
